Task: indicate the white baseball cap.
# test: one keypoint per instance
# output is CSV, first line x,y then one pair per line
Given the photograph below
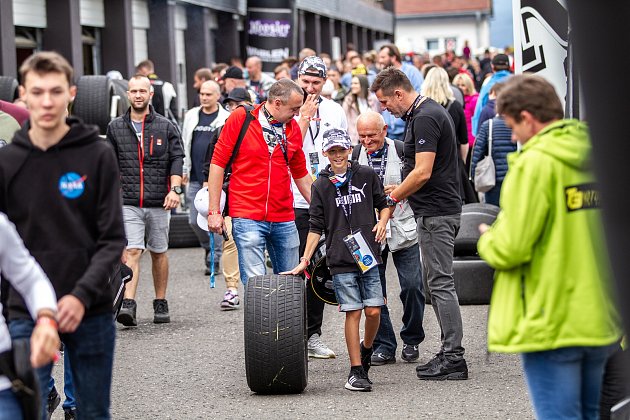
x,y
201,204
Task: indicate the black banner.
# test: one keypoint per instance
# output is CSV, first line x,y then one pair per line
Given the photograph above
x,y
270,34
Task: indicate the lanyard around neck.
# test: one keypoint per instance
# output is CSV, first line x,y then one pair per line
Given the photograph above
x,y
281,139
383,166
346,211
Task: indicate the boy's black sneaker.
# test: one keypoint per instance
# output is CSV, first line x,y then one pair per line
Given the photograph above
x,y
70,413
53,401
435,360
445,369
127,313
410,353
366,358
160,312
380,359
358,380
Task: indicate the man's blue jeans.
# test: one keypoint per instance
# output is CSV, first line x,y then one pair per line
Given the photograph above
x,y
407,262
10,408
252,237
566,383
91,352
68,386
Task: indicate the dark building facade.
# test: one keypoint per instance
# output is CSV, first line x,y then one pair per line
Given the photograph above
x,y
180,36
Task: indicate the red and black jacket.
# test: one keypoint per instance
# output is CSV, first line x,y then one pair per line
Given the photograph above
x,y
145,171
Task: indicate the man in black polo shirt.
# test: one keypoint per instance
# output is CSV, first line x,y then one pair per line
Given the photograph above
x,y
431,183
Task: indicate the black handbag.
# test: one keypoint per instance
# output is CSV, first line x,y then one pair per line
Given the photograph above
x,y
16,365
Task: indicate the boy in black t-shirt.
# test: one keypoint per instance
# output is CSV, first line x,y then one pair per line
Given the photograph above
x,y
343,200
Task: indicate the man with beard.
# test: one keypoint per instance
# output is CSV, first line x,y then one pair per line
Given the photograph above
x,y
150,157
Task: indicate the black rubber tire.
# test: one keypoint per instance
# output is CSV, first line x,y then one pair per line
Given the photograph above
x,y
473,281
93,101
472,216
180,233
276,358
120,89
8,88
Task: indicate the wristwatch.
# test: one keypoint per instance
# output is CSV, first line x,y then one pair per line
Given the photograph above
x,y
177,189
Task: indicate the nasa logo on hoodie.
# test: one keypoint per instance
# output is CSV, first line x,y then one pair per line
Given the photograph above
x,y
71,185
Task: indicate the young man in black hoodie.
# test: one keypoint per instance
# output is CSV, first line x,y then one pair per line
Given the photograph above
x,y
59,186
343,199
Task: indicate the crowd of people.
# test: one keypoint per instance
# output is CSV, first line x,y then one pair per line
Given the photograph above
x,y
376,151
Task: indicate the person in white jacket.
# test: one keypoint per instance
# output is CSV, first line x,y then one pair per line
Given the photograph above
x,y
19,268
199,124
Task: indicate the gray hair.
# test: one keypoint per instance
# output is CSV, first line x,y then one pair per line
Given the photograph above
x,y
282,90
370,116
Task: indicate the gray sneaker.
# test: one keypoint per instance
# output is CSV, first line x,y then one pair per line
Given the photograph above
x,y
127,313
319,350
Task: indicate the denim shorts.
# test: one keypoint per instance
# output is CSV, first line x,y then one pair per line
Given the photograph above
x,y
356,290
150,223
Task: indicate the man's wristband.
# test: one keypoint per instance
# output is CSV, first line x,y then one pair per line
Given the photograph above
x,y
213,212
308,262
46,320
391,200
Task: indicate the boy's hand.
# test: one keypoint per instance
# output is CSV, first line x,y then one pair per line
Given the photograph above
x,y
298,268
381,231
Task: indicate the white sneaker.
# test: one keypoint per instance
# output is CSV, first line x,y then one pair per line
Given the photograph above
x,y
230,301
319,350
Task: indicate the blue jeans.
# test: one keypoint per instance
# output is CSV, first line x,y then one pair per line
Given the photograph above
x,y
492,196
91,352
202,235
356,290
68,386
407,262
10,408
566,383
252,237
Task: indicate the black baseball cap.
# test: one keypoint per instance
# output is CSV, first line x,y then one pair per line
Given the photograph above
x,y
238,95
501,60
233,72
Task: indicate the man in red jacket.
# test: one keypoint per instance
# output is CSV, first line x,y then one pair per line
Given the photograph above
x,y
260,199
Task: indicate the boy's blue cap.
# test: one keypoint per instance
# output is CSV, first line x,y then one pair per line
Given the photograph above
x,y
336,137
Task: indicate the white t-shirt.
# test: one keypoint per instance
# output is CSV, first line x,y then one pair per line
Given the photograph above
x,y
331,115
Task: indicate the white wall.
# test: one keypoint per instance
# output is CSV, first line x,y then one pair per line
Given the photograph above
x,y
30,13
412,34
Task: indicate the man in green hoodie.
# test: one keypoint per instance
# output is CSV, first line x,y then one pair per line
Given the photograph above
x,y
551,300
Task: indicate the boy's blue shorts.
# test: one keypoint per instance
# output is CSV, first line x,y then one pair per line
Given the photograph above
x,y
356,290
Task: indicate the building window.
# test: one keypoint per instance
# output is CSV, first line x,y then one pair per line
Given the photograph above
x,y
91,38
433,44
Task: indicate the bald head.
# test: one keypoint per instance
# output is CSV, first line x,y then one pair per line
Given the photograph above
x,y
209,96
254,67
372,130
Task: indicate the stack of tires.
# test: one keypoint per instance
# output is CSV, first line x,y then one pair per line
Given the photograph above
x,y
473,277
8,89
99,99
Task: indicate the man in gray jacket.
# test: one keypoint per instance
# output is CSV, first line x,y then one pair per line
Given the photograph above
x,y
200,123
384,156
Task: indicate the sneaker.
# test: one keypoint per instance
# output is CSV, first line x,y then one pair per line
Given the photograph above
x,y
319,350
230,301
52,402
410,353
366,358
445,369
429,365
358,380
70,413
160,312
127,314
380,359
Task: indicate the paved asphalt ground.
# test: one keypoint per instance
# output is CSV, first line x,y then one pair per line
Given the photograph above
x,y
193,368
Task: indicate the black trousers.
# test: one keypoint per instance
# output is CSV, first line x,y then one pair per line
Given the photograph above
x,y
314,305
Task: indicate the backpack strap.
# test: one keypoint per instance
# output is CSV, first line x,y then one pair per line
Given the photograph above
x,y
356,151
241,135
